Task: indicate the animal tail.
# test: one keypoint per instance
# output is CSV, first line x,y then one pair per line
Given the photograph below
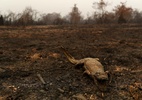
x,y
69,57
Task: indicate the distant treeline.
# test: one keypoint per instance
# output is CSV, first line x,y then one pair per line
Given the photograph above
x,y
120,14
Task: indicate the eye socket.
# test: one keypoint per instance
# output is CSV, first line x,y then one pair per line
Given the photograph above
x,y
97,73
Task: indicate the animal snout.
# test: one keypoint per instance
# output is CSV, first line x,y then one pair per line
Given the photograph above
x,y
102,76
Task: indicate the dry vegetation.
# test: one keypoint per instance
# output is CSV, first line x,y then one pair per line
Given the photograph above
x,y
30,51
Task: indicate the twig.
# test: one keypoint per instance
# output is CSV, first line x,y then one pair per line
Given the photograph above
x,y
41,79
136,71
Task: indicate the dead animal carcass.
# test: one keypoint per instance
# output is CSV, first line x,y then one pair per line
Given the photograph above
x,y
92,66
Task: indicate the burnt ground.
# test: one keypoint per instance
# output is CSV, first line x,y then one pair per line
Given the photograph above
x,y
30,51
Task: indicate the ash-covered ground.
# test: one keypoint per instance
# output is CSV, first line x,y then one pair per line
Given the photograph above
x,y
33,50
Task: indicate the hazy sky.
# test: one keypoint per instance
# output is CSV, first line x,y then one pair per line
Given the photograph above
x,y
60,6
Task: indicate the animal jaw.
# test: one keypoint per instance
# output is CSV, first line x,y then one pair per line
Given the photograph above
x,y
92,66
102,76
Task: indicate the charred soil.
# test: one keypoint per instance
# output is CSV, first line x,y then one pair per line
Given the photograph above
x,y
26,52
